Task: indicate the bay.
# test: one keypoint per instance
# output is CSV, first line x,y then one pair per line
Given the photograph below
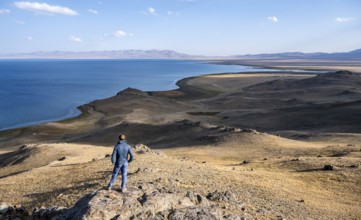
x,y
38,91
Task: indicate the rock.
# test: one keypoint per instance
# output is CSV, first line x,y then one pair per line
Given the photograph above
x,y
233,217
197,198
231,129
61,158
354,166
328,167
7,211
245,162
23,147
21,211
214,138
221,128
195,213
142,149
107,155
144,202
5,207
221,196
50,213
250,130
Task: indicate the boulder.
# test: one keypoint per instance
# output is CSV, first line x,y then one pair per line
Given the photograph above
x,y
8,211
139,203
221,196
142,149
328,167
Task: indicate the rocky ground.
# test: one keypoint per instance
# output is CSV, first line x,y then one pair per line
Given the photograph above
x,y
266,186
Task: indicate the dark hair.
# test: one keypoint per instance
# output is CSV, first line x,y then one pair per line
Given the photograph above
x,y
122,136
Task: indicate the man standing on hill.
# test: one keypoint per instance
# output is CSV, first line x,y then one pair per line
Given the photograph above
x,y
120,161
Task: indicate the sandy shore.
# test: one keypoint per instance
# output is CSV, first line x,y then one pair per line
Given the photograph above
x,y
299,64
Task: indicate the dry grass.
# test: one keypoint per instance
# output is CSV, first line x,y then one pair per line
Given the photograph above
x,y
280,185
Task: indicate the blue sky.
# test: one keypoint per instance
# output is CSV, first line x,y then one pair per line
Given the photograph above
x,y
202,27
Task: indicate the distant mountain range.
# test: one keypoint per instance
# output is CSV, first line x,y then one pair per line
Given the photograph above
x,y
355,54
110,54
169,54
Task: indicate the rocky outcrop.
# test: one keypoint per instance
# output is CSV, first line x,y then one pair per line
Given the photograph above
x,y
138,203
142,149
142,202
8,211
132,91
159,198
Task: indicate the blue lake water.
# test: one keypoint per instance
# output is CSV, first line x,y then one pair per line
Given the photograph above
x,y
37,91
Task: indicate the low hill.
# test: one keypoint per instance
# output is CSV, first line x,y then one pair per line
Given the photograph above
x,y
336,80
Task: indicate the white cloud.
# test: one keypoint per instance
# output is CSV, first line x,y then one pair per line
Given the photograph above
x,y
75,39
152,11
120,34
29,38
44,8
4,11
343,19
93,11
170,13
19,22
273,18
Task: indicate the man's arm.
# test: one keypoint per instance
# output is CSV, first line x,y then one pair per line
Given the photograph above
x,y
114,154
131,155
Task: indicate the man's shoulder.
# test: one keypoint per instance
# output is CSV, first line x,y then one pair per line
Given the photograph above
x,y
124,144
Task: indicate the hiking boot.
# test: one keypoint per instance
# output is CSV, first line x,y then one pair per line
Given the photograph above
x,y
123,190
109,188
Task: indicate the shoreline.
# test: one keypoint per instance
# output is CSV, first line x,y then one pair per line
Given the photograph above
x,y
174,107
325,65
182,85
73,113
111,81
77,110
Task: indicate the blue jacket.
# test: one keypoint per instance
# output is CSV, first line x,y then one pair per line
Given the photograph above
x,y
120,153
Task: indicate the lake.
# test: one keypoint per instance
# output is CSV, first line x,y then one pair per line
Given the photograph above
x,y
38,91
